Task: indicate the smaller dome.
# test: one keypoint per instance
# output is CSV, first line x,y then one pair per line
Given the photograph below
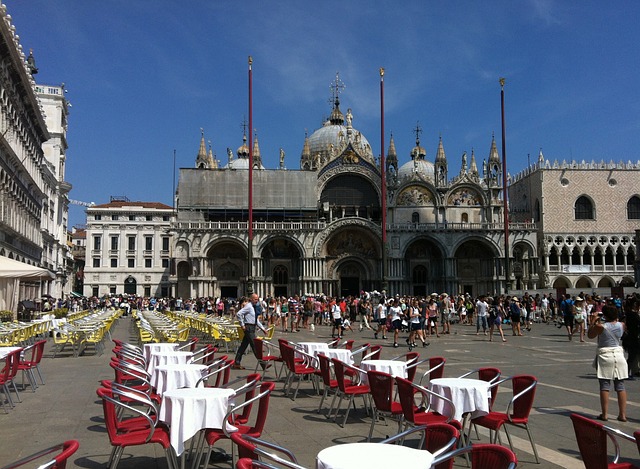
x,y
423,167
240,163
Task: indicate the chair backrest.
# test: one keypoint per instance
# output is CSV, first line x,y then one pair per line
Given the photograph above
x,y
288,356
253,448
410,358
382,387
524,391
439,436
58,462
325,368
405,394
258,347
490,375
483,456
487,456
14,362
338,368
374,353
636,435
250,394
436,364
109,404
592,441
266,388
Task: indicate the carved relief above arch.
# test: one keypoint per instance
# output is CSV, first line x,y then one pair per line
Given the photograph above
x,y
182,250
465,196
415,195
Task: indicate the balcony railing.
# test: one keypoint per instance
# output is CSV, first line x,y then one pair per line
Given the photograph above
x,y
320,225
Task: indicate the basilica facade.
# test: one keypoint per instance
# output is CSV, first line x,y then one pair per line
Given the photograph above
x,y
318,229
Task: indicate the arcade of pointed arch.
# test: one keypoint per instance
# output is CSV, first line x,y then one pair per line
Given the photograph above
x,y
590,244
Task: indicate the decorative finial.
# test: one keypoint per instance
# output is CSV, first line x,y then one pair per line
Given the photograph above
x,y
381,72
336,88
418,131
250,60
502,80
244,126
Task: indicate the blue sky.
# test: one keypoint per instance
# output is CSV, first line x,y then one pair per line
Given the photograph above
x,y
144,76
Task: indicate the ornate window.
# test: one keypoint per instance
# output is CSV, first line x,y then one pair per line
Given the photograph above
x,y
633,208
280,275
584,208
415,217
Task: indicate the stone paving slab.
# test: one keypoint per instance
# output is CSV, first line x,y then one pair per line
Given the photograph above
x,y
67,407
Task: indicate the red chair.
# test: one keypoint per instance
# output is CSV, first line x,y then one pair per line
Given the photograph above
x,y
435,371
191,345
58,462
359,351
252,381
439,438
348,386
382,386
8,374
220,369
414,415
295,369
591,437
375,353
206,354
517,412
485,456
213,435
265,360
138,432
490,375
328,382
28,365
250,448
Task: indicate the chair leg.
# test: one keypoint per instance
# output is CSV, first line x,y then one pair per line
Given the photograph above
x,y
40,374
533,445
333,401
346,414
324,396
373,423
297,388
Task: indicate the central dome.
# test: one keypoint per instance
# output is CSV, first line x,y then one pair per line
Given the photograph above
x,y
330,140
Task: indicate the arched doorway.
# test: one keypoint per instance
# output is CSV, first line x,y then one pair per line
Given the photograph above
x,y
425,267
350,275
476,267
184,287
130,286
227,261
281,260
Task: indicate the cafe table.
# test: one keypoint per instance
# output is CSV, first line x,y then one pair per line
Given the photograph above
x,y
4,351
312,348
168,358
393,367
188,410
469,396
341,354
372,456
158,347
167,377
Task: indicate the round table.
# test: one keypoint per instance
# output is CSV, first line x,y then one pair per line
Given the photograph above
x,y
167,377
167,358
158,347
393,367
470,396
341,354
372,456
190,410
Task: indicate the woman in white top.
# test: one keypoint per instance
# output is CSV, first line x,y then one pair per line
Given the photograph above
x,y
610,361
382,320
414,325
396,320
580,316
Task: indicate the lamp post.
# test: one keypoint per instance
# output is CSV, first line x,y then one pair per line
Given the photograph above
x,y
507,268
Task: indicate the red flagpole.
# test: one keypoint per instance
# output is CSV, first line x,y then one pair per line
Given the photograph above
x,y
383,184
505,190
250,241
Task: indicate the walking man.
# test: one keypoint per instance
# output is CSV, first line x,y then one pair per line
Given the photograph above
x,y
248,319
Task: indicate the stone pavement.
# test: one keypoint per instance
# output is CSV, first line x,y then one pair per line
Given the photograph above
x,y
67,406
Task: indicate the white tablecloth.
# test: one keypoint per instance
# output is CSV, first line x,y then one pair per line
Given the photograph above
x,y
372,456
167,377
190,410
341,354
470,396
392,367
162,357
312,347
4,351
158,347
